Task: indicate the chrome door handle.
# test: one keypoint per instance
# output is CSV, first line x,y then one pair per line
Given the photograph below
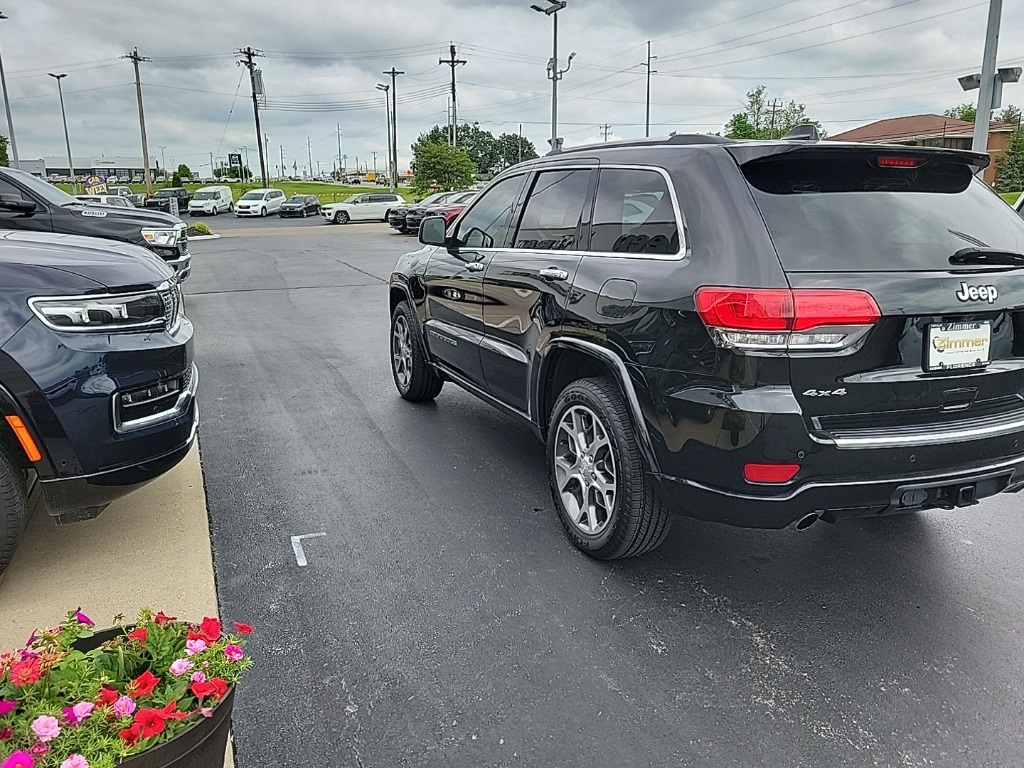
x,y
475,266
554,273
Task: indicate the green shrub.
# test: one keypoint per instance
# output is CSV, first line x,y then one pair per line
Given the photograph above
x,y
198,229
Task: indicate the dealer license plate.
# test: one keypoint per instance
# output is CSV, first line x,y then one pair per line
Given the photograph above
x,y
958,345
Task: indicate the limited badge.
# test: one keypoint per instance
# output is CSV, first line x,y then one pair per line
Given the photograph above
x,y
96,214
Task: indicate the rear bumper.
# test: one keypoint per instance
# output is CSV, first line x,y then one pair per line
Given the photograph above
x,y
839,499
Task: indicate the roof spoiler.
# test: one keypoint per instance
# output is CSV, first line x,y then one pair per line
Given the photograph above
x,y
804,132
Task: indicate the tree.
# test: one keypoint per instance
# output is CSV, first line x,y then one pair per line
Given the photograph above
x,y
227,172
764,119
4,160
964,111
1010,165
513,148
184,172
1010,114
440,165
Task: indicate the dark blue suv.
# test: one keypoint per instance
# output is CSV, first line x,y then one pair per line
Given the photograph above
x,y
97,380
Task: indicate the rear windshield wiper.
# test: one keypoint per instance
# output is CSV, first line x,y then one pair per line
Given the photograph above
x,y
987,256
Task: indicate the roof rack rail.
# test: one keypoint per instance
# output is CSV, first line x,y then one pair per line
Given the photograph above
x,y
677,140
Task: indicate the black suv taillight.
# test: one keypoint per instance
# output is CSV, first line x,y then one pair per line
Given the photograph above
x,y
788,320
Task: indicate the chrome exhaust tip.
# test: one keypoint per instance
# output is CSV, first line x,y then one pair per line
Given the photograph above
x,y
807,521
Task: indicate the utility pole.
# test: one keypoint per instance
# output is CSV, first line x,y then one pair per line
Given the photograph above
x,y
211,166
7,105
453,62
266,139
988,77
775,107
256,83
520,142
283,174
309,151
394,120
647,121
605,130
135,59
375,163
339,144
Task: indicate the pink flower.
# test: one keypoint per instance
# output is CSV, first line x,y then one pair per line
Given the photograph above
x,y
206,711
192,647
81,618
38,750
124,707
46,728
234,653
83,709
20,759
75,761
180,667
198,677
7,706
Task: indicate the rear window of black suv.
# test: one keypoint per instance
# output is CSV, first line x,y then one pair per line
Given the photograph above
x,y
844,211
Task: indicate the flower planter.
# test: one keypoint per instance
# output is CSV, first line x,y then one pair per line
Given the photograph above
x,y
201,746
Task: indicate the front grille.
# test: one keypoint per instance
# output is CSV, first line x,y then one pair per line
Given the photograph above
x,y
171,299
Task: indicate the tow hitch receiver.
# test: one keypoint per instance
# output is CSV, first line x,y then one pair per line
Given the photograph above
x,y
952,496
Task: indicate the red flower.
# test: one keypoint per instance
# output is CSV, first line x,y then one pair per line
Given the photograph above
x,y
150,722
195,635
210,630
107,696
162,618
131,735
220,687
202,690
169,713
139,633
6,733
143,685
243,629
26,672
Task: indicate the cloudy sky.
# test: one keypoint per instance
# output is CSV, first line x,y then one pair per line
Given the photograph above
x,y
850,61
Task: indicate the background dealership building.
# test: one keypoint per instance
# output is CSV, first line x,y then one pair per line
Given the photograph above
x,y
103,167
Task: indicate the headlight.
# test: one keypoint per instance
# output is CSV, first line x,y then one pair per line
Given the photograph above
x,y
161,236
149,310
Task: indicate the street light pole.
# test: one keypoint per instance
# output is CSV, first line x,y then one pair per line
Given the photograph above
x,y
67,139
988,77
163,160
554,73
15,163
387,108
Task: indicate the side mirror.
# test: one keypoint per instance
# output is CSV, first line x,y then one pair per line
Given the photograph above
x,y
16,203
432,231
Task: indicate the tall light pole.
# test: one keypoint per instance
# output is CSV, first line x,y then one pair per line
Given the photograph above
x,y
163,159
554,73
387,108
7,104
394,119
67,140
647,121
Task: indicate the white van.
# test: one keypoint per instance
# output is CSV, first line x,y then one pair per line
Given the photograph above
x,y
259,202
211,201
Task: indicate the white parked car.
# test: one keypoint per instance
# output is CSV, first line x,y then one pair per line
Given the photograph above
x,y
115,200
362,207
211,201
138,178
259,202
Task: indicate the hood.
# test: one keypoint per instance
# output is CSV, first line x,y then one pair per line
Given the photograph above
x,y
140,217
105,262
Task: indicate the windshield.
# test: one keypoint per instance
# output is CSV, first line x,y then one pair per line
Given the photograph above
x,y
296,199
167,193
205,196
253,196
437,197
49,193
851,215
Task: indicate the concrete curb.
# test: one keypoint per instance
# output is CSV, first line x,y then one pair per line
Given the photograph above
x,y
194,238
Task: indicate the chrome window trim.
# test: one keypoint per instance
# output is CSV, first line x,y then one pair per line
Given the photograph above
x,y
684,241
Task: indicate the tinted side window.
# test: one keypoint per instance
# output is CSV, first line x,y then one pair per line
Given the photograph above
x,y
486,223
6,188
551,220
634,214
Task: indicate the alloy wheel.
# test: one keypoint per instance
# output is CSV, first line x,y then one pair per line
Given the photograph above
x,y
585,473
401,352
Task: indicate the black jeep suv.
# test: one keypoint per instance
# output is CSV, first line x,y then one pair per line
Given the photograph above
x,y
97,381
29,204
759,333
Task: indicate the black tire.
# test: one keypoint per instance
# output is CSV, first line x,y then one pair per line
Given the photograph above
x,y
421,383
638,520
13,509
263,212
341,217
387,216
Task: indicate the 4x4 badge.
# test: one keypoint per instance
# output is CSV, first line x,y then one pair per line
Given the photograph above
x,y
977,293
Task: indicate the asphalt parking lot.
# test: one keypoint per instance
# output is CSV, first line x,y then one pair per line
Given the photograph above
x,y
442,617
